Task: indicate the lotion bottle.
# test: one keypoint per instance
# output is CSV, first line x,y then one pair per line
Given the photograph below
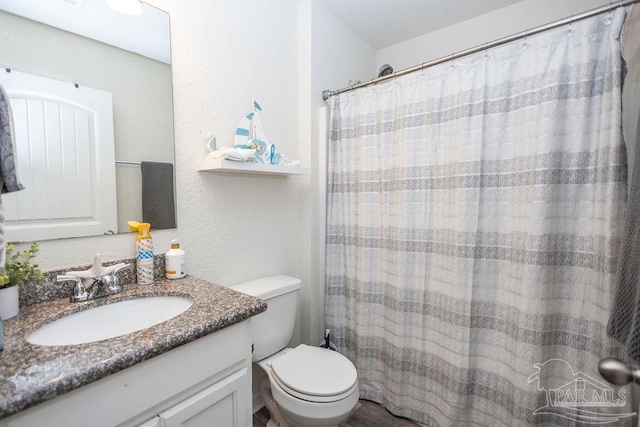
x,y
175,261
144,258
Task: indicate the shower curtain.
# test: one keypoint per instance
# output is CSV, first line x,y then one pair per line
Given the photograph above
x,y
473,232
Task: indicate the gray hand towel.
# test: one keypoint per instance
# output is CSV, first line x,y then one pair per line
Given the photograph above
x,y
624,322
158,203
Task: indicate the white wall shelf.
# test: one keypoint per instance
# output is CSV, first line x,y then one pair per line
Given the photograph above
x,y
228,166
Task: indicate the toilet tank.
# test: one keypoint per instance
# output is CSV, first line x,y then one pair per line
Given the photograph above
x,y
271,330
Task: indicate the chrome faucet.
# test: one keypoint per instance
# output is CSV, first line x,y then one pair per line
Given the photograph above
x,y
97,282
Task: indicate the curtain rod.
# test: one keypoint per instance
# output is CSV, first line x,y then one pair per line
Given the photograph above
x,y
326,94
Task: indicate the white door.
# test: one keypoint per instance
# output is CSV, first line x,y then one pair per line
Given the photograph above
x,y
65,150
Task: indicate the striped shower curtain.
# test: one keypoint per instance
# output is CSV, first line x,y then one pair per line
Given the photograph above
x,y
473,232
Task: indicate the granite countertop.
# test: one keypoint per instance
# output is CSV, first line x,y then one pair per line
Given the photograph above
x,y
31,374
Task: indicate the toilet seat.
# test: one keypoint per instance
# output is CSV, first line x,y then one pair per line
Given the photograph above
x,y
315,374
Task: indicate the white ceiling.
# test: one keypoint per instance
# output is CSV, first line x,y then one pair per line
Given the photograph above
x,y
146,34
383,23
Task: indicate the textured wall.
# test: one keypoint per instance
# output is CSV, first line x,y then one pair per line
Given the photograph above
x,y
225,54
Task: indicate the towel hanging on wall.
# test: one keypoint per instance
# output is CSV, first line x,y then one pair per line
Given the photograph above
x,y
158,204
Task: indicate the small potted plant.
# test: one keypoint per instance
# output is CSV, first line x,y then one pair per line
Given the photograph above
x,y
18,270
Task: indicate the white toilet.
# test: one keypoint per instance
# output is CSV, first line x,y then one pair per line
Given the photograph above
x,y
308,386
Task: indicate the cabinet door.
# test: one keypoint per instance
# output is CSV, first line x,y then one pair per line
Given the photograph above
x,y
221,404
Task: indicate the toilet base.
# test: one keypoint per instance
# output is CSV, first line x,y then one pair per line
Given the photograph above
x,y
272,423
282,417
309,414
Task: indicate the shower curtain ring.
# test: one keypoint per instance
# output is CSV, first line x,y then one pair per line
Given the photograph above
x,y
570,30
608,20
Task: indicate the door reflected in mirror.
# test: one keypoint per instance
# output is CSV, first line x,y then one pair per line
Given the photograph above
x,y
86,44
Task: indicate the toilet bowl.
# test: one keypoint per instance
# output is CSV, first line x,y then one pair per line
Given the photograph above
x,y
312,386
307,386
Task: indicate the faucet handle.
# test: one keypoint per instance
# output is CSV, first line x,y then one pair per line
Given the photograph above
x,y
79,291
119,267
112,280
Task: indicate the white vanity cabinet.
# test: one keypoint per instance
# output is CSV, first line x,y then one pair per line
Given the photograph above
x,y
206,382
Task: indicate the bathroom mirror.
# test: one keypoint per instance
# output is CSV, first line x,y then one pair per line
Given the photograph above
x,y
84,43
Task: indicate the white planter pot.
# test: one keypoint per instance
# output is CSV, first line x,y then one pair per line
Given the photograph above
x,y
9,302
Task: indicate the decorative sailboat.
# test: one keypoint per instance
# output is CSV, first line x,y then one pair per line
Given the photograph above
x,y
250,135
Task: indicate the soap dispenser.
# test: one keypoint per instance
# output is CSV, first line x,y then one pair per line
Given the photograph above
x,y
144,258
175,261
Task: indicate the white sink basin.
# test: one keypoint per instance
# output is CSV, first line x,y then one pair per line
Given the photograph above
x,y
109,321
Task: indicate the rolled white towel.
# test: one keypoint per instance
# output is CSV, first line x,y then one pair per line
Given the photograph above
x,y
235,154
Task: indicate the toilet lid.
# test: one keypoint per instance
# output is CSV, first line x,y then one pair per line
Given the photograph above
x,y
315,371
